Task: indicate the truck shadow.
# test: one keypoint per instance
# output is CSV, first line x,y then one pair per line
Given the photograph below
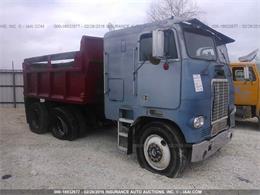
x,y
251,124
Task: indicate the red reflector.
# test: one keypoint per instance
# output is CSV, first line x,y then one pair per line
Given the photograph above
x,y
166,66
82,95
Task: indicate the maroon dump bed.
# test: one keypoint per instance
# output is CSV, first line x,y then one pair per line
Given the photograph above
x,y
73,77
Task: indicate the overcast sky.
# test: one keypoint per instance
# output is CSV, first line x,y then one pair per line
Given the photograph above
x,y
18,41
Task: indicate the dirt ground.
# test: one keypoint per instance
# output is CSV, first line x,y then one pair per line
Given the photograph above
x,y
31,161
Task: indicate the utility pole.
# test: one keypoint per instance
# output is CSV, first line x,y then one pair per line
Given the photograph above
x,y
14,90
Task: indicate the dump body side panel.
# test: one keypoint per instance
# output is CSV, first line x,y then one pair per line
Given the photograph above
x,y
73,77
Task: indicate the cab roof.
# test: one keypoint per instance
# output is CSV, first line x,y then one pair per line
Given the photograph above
x,y
219,37
186,23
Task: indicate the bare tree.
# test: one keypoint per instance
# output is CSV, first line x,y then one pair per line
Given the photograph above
x,y
162,9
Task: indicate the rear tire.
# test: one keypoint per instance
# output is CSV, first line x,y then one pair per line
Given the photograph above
x,y
160,149
64,124
81,121
38,118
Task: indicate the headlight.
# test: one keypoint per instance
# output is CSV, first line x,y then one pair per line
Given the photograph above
x,y
198,122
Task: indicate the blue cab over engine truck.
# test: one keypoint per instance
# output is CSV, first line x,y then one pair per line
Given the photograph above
x,y
167,85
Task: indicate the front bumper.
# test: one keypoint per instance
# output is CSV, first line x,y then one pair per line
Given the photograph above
x,y
205,149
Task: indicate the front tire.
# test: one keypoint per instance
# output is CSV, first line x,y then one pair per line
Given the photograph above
x,y
160,149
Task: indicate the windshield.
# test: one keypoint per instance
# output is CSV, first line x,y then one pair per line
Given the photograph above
x,y
200,46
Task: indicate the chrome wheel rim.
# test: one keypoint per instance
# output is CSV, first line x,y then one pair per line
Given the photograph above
x,y
157,152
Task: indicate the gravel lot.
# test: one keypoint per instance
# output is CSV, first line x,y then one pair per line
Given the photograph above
x,y
41,161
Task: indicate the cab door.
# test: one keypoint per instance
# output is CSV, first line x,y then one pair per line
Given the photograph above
x,y
246,89
159,81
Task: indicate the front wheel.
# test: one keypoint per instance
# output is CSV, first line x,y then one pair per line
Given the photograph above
x,y
160,149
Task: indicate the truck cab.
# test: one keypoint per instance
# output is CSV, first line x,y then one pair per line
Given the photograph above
x,y
169,87
246,78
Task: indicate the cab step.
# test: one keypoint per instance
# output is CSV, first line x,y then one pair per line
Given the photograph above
x,y
122,134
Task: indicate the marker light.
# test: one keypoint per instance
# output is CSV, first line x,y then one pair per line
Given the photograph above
x,y
166,66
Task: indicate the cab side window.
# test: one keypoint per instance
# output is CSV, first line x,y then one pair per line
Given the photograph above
x,y
170,46
239,75
146,45
252,76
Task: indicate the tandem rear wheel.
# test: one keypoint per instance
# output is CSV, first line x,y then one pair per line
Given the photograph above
x,y
67,123
38,118
160,149
64,122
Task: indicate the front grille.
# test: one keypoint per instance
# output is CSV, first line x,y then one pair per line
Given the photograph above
x,y
220,89
219,126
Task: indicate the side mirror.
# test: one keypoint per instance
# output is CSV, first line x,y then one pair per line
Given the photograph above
x,y
158,44
246,73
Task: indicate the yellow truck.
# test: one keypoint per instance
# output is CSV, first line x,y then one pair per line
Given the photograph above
x,y
246,77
